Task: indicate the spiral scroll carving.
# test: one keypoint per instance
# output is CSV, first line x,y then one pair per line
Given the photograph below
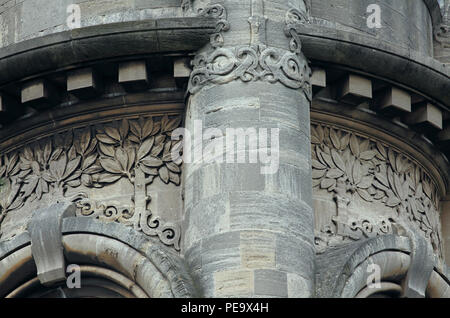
x,y
254,62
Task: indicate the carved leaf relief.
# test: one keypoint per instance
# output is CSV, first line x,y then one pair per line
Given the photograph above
x,y
92,157
350,165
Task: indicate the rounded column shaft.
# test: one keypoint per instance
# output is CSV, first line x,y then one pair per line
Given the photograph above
x,y
248,227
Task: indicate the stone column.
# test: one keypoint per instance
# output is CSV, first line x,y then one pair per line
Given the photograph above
x,y
248,230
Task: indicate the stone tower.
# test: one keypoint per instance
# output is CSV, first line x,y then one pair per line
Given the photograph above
x,y
224,148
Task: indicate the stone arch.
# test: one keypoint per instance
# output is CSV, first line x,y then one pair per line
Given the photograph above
x,y
394,255
139,266
96,282
385,289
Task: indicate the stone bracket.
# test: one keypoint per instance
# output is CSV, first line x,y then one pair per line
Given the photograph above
x,y
46,241
420,269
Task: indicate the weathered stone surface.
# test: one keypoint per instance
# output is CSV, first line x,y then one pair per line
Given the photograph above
x,y
422,265
290,259
234,283
352,14
258,249
371,191
271,283
298,287
24,267
446,226
260,206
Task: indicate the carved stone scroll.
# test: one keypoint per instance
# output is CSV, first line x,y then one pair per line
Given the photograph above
x,y
250,63
254,62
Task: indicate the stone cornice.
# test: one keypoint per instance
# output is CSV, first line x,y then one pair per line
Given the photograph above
x,y
398,65
63,50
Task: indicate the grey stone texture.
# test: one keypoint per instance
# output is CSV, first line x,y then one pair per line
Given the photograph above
x,y
243,233
421,268
239,222
405,23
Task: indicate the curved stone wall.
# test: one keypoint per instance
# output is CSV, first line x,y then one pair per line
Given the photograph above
x,y
28,19
407,24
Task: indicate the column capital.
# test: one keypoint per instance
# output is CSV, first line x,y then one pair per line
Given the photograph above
x,y
256,61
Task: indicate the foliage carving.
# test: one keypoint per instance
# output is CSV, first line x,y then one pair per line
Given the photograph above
x,y
138,150
350,166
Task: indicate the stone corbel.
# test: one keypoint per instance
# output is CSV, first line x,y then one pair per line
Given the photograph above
x,y
421,266
46,242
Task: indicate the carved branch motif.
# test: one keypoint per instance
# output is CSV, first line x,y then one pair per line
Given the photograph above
x,y
345,229
93,157
349,165
254,62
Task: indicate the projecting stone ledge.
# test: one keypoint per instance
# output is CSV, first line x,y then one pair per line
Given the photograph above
x,y
64,49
